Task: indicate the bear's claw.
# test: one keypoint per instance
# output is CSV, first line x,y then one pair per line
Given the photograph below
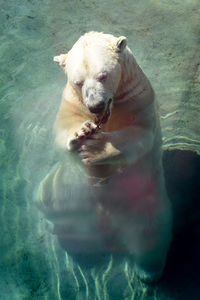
x,y
87,129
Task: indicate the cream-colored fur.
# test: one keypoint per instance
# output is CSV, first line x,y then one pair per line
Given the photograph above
x,y
118,143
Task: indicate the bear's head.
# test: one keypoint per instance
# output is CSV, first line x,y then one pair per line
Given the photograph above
x,y
93,69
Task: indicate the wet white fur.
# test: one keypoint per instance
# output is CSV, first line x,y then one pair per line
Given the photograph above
x,y
140,143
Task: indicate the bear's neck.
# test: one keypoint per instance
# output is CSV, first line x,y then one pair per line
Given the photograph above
x,y
133,83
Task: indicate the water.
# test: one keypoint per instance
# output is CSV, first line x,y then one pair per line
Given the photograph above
x,y
164,37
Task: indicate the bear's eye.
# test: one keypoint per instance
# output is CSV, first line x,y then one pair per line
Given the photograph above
x,y
79,83
102,77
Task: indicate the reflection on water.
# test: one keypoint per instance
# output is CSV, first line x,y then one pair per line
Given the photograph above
x,y
163,37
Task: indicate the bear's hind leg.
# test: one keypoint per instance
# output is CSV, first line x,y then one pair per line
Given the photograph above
x,y
152,249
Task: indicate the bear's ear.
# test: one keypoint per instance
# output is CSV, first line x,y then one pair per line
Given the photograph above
x,y
61,60
121,44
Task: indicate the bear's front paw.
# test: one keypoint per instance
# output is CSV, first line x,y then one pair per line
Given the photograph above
x,y
76,140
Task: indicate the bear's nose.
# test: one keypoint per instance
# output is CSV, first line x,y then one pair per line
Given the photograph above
x,y
96,108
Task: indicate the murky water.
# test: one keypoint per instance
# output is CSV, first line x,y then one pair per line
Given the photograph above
x,y
164,37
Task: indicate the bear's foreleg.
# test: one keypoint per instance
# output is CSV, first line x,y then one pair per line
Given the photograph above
x,y
127,145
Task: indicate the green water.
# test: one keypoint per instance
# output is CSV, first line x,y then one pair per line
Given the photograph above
x,y
164,37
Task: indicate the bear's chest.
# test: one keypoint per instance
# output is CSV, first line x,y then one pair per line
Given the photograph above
x,y
121,117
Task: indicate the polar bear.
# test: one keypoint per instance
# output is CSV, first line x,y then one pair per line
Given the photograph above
x,y
108,117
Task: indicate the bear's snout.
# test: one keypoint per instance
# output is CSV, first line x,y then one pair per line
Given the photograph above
x,y
94,101
96,108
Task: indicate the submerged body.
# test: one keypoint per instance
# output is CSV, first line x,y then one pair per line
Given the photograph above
x,y
108,116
